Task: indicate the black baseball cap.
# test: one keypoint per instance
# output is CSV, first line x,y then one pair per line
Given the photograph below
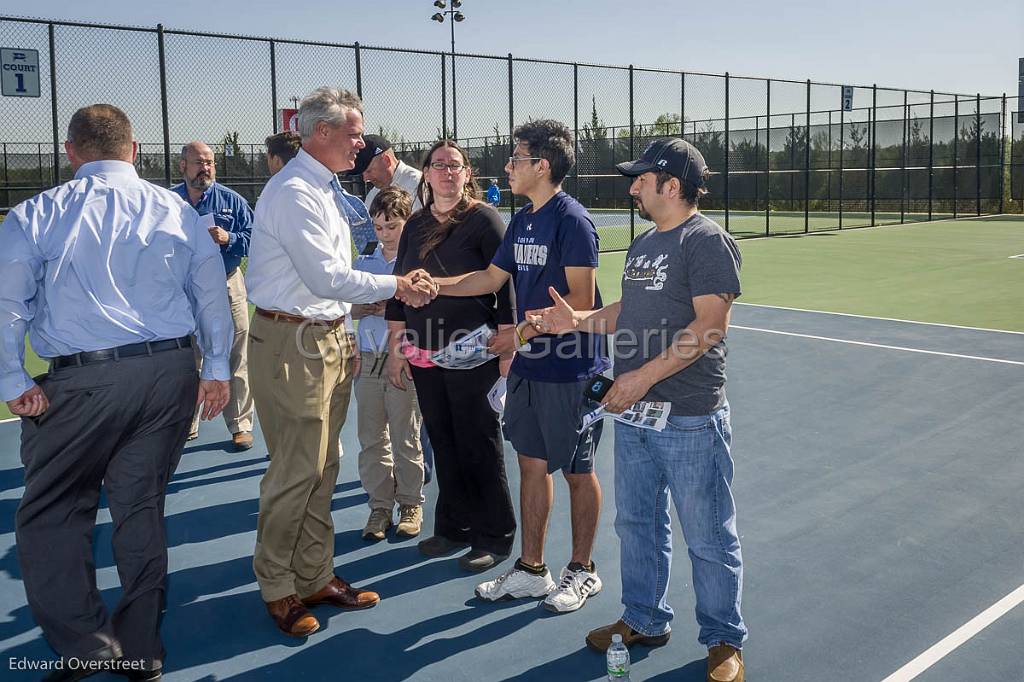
x,y
375,146
674,156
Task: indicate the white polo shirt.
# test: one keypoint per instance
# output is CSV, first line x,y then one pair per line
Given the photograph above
x,y
300,254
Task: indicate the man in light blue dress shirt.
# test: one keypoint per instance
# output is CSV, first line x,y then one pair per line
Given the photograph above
x,y
111,276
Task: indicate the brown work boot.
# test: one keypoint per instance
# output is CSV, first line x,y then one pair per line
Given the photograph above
x,y
410,520
377,525
601,638
725,664
292,617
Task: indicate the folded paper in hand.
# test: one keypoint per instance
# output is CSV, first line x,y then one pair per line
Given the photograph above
x,y
496,396
467,352
643,414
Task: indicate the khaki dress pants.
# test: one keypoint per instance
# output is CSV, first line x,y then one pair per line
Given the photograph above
x,y
301,382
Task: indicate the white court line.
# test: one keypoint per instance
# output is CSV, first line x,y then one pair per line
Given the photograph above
x,y
885,319
934,654
1019,255
880,345
12,419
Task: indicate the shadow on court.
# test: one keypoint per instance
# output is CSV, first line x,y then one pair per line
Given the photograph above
x,y
877,480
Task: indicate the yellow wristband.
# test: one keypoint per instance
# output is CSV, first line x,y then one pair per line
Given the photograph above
x,y
519,335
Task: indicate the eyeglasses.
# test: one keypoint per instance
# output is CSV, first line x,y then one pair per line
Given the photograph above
x,y
453,167
513,159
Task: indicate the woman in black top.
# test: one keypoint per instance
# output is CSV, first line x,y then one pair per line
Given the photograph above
x,y
453,234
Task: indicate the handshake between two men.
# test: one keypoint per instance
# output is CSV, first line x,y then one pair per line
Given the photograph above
x,y
417,288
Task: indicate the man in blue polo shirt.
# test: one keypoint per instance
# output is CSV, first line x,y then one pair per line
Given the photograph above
x,y
551,242
232,226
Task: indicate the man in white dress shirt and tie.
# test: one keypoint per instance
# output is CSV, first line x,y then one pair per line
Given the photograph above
x,y
301,280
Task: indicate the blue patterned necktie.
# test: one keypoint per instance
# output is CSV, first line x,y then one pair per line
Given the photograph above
x,y
355,214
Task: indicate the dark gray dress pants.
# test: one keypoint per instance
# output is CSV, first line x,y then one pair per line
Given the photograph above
x,y
120,424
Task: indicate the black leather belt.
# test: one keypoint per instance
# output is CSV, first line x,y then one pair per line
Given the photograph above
x,y
129,351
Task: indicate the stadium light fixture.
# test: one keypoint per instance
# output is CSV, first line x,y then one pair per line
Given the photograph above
x,y
455,17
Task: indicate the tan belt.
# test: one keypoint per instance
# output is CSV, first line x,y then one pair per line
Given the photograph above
x,y
278,316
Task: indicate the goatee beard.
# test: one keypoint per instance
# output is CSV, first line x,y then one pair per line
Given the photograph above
x,y
202,183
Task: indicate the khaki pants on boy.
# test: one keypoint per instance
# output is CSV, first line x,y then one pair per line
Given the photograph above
x,y
391,458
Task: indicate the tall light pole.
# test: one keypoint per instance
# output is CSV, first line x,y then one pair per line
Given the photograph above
x,y
453,16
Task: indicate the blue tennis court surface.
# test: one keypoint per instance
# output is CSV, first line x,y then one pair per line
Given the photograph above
x,y
878,476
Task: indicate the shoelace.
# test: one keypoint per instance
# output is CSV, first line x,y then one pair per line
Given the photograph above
x,y
578,586
505,576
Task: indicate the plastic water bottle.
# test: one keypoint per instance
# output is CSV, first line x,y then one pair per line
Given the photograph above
x,y
618,660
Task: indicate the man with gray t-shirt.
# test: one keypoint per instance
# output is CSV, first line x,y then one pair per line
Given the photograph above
x,y
678,285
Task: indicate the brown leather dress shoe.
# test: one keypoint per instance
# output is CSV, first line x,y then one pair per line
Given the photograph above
x,y
292,617
242,440
601,638
339,593
725,664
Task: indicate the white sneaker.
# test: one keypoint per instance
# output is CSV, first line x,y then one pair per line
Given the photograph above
x,y
573,589
516,583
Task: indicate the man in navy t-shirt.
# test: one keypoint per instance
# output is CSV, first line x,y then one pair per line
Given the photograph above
x,y
551,242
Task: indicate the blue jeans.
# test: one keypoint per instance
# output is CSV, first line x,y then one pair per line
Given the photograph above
x,y
689,459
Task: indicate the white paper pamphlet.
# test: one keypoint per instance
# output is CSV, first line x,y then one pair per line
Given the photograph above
x,y
496,396
643,414
468,352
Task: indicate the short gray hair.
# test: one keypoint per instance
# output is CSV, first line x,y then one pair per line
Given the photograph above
x,y
330,105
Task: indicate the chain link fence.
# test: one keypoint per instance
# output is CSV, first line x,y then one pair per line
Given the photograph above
x,y
786,156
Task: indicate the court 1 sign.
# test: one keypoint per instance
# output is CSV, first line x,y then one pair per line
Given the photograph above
x,y
847,98
19,72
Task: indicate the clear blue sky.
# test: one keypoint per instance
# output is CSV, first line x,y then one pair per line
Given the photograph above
x,y
942,44
939,44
